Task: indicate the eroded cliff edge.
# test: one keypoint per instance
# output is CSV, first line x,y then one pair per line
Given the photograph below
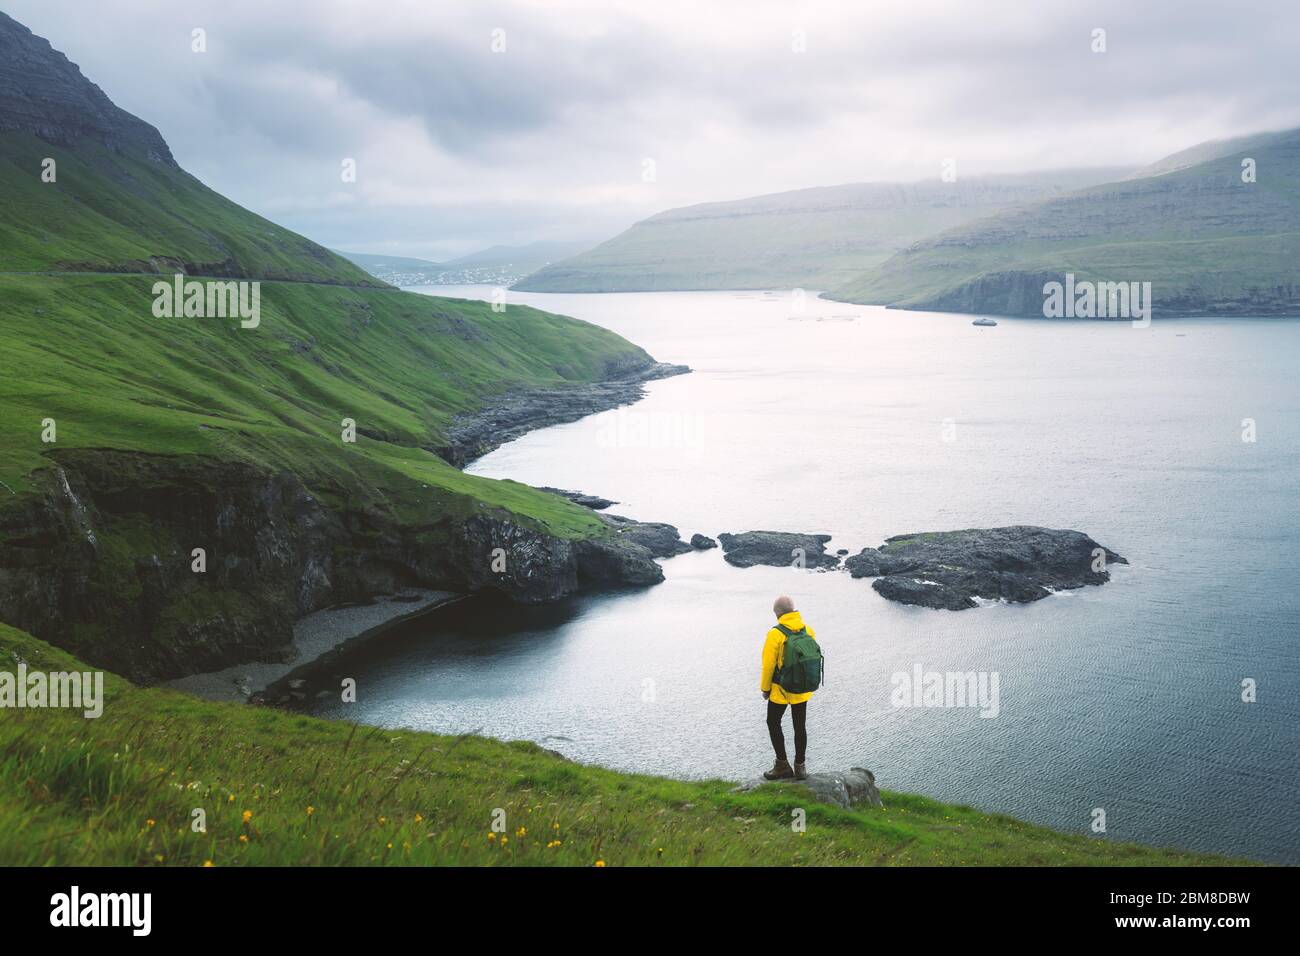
x,y
99,558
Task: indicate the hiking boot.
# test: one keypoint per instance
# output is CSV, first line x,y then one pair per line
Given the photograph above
x,y
801,771
780,771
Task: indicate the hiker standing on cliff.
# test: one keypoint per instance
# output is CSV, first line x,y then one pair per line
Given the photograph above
x,y
793,669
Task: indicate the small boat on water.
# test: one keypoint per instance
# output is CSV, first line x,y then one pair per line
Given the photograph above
x,y
984,320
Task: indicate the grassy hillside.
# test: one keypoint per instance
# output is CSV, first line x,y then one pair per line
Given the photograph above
x,y
279,789
809,238
1207,241
176,433
87,351
110,211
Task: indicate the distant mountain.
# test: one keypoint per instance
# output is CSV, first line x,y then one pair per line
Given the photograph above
x,y
1208,242
810,238
397,270
1209,150
527,258
496,265
370,262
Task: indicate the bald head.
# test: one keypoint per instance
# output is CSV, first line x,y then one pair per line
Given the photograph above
x,y
782,605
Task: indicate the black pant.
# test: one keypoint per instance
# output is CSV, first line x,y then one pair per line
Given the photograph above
x,y
799,712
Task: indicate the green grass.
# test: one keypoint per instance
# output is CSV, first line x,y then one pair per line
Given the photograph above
x,y
87,351
198,402
121,790
110,211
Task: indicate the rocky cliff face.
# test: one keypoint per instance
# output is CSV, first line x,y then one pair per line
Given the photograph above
x,y
100,560
43,92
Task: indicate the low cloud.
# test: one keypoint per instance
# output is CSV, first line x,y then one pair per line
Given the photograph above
x,y
458,146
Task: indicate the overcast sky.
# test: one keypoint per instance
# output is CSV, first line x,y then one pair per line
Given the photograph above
x,y
459,146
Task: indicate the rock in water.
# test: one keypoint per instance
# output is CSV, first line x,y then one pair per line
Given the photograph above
x,y
660,539
949,569
702,542
851,789
777,549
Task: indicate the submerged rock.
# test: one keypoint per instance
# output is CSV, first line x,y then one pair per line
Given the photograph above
x,y
948,570
702,542
778,549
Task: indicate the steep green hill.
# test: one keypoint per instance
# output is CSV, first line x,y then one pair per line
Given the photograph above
x,y
113,211
127,440
1208,242
114,199
809,238
279,789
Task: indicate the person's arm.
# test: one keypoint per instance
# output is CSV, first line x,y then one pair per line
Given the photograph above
x,y
769,663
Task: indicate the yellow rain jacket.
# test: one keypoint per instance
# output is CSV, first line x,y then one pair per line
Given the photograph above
x,y
774,657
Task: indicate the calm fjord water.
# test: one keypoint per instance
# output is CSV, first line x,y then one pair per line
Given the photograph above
x,y
1125,697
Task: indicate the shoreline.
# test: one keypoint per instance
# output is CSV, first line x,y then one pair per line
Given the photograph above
x,y
517,413
325,634
316,637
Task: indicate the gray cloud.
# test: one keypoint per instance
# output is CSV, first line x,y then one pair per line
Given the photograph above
x,y
459,147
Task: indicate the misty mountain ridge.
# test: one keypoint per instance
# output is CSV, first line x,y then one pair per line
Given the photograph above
x,y
495,265
813,238
1215,229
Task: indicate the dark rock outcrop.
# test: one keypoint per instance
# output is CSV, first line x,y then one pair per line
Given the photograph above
x,y
659,539
615,562
702,542
854,788
509,416
778,549
274,552
948,570
594,502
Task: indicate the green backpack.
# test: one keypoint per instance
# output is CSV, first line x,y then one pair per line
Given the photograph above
x,y
803,668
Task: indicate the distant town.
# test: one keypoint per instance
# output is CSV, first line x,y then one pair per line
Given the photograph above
x,y
473,275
